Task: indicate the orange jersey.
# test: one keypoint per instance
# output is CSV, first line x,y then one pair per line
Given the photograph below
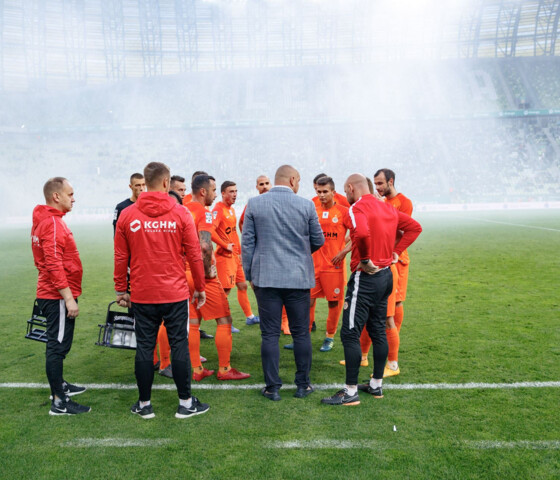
x,y
225,223
402,204
202,220
202,217
334,230
187,198
339,199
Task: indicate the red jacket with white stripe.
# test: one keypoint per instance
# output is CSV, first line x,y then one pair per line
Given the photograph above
x,y
55,253
159,236
373,229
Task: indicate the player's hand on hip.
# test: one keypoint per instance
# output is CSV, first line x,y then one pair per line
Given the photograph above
x,y
199,299
395,257
370,268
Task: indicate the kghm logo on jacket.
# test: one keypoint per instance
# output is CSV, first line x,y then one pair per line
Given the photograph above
x,y
151,226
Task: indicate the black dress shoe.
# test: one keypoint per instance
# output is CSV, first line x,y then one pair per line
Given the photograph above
x,y
205,335
313,327
274,396
303,392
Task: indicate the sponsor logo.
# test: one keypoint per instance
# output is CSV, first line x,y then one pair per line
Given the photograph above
x,y
153,225
215,213
325,214
135,225
208,217
335,220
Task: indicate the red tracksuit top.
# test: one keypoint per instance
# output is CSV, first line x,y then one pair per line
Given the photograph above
x,y
55,254
159,236
373,228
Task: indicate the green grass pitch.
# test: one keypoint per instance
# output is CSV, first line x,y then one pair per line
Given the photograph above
x,y
483,306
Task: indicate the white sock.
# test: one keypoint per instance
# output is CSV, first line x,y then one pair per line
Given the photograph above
x,y
375,382
186,403
351,390
145,404
250,317
393,365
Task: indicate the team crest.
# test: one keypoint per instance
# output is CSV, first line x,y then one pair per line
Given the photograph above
x,y
335,220
325,214
208,217
215,213
337,291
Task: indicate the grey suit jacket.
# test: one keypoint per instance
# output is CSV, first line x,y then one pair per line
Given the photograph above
x,y
280,232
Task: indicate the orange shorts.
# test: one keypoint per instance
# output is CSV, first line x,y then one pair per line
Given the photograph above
x,y
216,306
230,270
392,300
329,284
403,281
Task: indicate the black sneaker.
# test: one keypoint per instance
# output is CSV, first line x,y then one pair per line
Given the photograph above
x,y
313,327
144,412
70,390
376,392
205,335
342,398
67,407
196,408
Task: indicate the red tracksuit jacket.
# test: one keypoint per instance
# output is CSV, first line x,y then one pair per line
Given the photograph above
x,y
373,228
55,254
159,236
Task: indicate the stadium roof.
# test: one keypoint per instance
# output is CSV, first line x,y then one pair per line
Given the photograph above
x,y
56,44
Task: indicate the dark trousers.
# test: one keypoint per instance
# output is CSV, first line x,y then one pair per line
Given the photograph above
x,y
365,305
60,333
148,319
296,302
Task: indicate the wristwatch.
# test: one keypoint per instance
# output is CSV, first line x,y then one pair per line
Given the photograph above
x,y
364,262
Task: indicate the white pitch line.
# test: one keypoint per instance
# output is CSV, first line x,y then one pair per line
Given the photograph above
x,y
516,224
526,444
115,442
325,444
320,386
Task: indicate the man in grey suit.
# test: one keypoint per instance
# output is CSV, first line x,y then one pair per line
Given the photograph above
x,y
280,232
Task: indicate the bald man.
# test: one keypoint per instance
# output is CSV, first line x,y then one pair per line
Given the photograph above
x,y
263,186
280,233
373,228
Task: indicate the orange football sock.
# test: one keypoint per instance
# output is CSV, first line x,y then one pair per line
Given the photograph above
x,y
365,343
311,315
164,349
223,344
285,325
393,341
243,300
399,316
332,319
194,345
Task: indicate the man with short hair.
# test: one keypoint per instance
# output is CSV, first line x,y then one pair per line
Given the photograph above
x,y
228,253
373,230
186,199
384,180
281,232
330,278
137,186
58,287
189,196
217,306
338,198
159,238
177,188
